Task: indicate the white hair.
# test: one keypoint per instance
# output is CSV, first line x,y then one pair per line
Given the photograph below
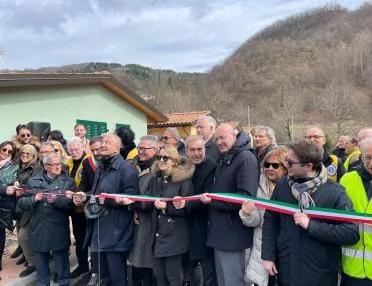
x,y
269,131
210,120
75,140
49,158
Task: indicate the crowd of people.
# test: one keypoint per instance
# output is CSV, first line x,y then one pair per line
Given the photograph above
x,y
91,190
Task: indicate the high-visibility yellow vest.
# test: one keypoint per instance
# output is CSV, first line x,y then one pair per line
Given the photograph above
x,y
77,178
332,169
357,258
347,161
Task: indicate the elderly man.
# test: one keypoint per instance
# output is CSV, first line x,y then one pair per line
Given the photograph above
x,y
362,134
172,137
205,127
202,181
236,173
334,165
46,148
306,251
81,131
357,258
340,151
75,166
49,224
141,256
263,137
111,232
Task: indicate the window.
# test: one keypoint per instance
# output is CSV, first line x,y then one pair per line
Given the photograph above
x,y
94,128
121,125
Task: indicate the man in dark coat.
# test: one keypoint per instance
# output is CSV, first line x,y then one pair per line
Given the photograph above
x,y
141,256
202,181
340,151
49,224
90,165
237,173
263,139
300,250
205,127
112,231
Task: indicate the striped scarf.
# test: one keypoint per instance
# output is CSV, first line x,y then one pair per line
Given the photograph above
x,y
302,191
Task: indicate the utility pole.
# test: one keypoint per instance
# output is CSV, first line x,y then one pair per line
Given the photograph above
x,y
249,119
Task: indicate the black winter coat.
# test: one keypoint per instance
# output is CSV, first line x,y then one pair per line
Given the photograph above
x,y
202,181
87,176
113,230
171,226
211,150
49,224
327,161
312,256
236,173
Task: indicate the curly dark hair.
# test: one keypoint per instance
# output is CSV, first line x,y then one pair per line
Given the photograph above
x,y
126,135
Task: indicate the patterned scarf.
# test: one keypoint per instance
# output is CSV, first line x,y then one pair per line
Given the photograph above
x,y
302,191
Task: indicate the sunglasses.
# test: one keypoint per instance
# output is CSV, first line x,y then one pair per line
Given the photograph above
x,y
274,165
25,135
9,151
291,163
163,158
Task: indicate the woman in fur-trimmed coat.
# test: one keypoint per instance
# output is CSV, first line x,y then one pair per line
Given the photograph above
x,y
172,177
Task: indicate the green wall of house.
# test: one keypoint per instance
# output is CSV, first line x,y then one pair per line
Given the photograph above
x,y
62,106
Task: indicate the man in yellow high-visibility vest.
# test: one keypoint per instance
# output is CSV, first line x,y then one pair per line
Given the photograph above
x,y
357,258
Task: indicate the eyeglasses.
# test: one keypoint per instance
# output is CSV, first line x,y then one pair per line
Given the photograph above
x,y
163,158
165,138
9,151
25,135
291,163
313,136
274,165
144,149
366,158
55,165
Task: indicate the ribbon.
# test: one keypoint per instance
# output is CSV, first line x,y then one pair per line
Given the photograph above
x,y
276,206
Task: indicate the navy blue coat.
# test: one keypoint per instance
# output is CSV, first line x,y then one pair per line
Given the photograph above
x,y
113,230
312,256
236,173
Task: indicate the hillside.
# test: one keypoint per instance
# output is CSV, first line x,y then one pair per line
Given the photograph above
x,y
315,67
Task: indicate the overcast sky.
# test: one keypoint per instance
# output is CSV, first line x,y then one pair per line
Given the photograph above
x,y
183,35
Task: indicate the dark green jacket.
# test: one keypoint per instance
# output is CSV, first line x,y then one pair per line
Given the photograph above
x,y
49,224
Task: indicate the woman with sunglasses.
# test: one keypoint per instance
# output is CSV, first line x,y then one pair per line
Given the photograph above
x,y
29,165
8,174
273,169
173,175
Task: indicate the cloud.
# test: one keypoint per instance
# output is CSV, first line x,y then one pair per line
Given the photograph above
x,y
189,35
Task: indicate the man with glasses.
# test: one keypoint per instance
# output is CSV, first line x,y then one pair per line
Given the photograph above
x,y
357,258
334,165
141,256
49,223
172,137
46,148
75,167
111,233
24,137
300,250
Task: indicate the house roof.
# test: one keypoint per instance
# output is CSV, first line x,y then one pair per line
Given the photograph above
x,y
17,79
180,119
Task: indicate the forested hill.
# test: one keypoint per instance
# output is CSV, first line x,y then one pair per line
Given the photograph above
x,y
315,66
